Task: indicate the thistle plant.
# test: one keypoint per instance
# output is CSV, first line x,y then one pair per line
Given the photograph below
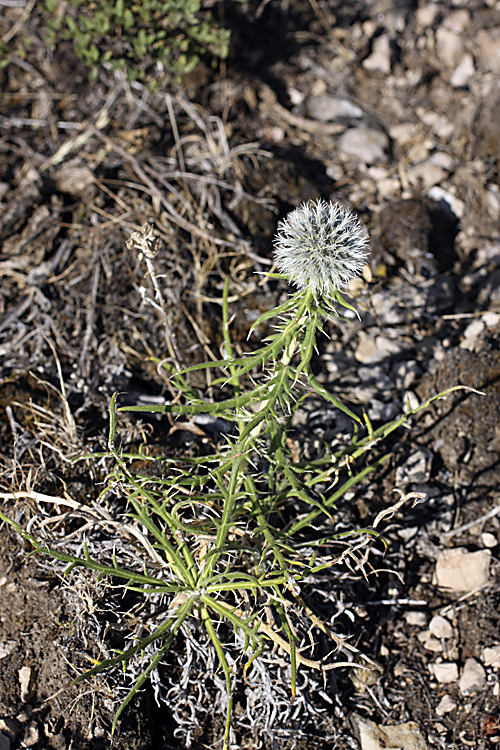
x,y
222,539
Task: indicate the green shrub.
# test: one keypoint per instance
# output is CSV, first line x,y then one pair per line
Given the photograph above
x,y
150,40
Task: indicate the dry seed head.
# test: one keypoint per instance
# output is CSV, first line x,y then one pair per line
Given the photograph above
x,y
321,247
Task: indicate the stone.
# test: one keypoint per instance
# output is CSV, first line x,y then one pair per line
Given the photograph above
x,y
473,677
430,642
493,202
459,571
6,647
75,180
31,735
366,351
445,705
490,656
383,411
366,144
457,21
445,672
426,175
25,677
449,46
327,108
416,469
441,627
488,49
419,619
374,737
471,333
463,72
489,540
426,14
447,200
389,188
404,132
491,319
380,58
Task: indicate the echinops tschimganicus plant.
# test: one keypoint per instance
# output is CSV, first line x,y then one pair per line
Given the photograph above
x,y
223,537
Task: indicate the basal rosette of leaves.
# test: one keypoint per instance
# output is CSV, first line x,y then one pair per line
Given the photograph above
x,y
150,41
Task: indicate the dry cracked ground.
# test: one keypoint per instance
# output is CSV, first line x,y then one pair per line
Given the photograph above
x,y
391,108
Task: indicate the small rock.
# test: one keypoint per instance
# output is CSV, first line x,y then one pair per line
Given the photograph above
x,y
383,411
445,705
488,49
374,737
419,619
491,319
493,202
366,351
366,144
489,540
25,682
405,373
474,328
426,14
416,469
463,72
6,647
389,187
447,200
473,677
430,642
404,133
426,174
471,333
327,108
31,734
444,160
449,46
457,21
441,627
75,180
380,58
491,656
377,377
460,571
295,96
444,672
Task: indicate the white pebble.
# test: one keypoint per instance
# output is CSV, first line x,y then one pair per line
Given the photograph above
x,y
491,656
445,672
474,328
489,540
380,58
473,677
463,72
366,144
440,627
460,571
445,705
419,619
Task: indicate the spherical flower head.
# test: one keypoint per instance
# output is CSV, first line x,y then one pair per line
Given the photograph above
x,y
321,247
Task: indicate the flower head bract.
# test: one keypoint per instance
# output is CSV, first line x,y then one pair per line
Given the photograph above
x,y
321,247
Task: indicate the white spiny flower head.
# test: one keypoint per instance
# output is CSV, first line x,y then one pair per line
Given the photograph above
x,y
321,246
